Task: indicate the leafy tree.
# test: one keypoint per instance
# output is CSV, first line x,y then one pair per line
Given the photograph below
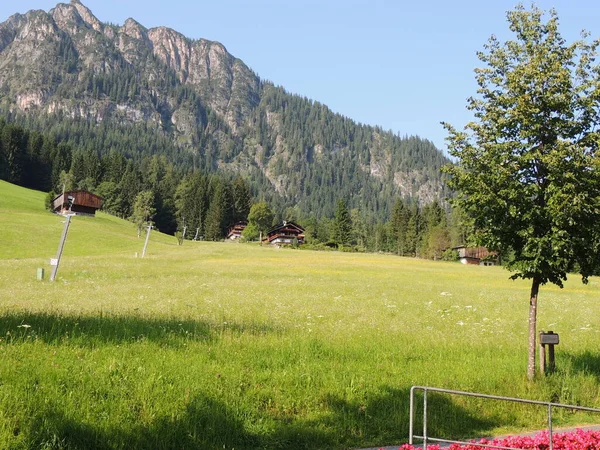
x,y
66,181
143,210
527,171
261,215
438,241
250,233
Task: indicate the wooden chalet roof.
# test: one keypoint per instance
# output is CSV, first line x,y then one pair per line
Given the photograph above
x,y
80,198
286,226
475,252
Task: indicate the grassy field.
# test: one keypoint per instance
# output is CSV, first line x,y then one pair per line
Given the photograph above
x,y
213,345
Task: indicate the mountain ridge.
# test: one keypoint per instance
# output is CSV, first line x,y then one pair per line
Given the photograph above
x,y
66,65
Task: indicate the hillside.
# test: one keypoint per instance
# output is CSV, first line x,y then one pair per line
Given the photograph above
x,y
142,91
31,232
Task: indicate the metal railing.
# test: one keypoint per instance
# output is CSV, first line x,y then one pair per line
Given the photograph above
x,y
427,438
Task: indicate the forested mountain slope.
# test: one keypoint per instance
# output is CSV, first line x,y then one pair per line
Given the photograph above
x,y
141,92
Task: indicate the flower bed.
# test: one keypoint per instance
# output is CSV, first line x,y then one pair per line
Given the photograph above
x,y
576,440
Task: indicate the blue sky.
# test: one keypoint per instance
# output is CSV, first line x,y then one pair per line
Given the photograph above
x,y
405,66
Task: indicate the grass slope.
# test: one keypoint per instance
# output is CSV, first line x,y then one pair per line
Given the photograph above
x,y
213,345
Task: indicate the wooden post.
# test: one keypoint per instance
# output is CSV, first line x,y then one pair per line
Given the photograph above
x,y
61,245
551,364
542,356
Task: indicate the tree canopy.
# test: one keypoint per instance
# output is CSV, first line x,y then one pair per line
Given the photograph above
x,y
526,171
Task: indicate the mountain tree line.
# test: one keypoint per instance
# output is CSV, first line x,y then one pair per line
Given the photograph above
x,y
425,231
206,204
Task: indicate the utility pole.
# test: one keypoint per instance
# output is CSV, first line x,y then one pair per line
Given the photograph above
x,y
61,245
146,243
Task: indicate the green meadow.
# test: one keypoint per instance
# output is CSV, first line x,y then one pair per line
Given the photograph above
x,y
237,346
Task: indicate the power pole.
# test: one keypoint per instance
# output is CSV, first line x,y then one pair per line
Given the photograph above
x,y
61,245
146,243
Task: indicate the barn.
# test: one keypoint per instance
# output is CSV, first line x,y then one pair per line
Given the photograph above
x,y
480,256
77,203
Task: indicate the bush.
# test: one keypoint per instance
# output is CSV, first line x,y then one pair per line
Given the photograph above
x,y
48,200
450,255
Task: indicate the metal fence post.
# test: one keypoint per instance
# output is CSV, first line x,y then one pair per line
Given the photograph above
x,y
425,419
411,413
550,424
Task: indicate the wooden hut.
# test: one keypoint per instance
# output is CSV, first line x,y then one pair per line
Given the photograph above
x,y
479,256
77,202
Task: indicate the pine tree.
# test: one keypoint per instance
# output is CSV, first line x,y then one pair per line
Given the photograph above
x,y
341,233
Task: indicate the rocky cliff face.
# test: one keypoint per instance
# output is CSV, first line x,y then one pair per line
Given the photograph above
x,y
66,62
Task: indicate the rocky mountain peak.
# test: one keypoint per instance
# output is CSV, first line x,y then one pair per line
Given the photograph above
x,y
87,15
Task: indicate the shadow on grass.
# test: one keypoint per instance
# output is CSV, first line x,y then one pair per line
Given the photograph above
x,y
584,362
90,331
386,416
206,423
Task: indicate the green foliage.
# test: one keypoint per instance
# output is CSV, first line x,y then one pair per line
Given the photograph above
x,y
527,171
341,229
250,233
527,168
143,211
450,255
50,196
261,217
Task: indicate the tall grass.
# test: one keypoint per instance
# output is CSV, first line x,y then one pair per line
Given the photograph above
x,y
212,345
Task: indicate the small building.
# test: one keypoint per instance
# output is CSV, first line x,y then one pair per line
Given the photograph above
x,y
285,234
235,231
479,256
77,202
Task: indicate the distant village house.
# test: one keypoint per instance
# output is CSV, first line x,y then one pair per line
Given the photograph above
x,y
479,256
235,231
287,233
77,203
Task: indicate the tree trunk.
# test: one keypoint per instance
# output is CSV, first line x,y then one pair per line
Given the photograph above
x,y
533,297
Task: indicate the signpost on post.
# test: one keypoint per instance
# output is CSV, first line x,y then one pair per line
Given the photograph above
x,y
549,339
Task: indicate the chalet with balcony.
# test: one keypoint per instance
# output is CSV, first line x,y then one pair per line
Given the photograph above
x,y
235,231
285,234
77,203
